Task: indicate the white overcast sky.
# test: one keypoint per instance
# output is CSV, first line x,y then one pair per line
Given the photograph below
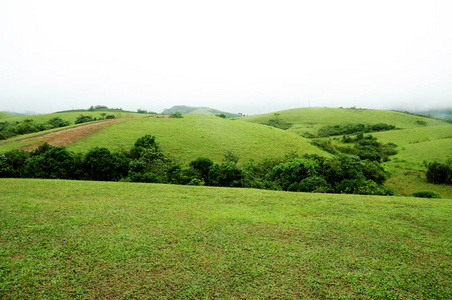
x,y
238,56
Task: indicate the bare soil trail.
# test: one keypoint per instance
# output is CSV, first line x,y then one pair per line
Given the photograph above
x,y
67,136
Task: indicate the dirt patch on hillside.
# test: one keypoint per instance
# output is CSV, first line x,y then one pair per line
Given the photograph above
x,y
67,136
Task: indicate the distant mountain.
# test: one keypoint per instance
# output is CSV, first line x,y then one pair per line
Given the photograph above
x,y
197,110
445,114
10,114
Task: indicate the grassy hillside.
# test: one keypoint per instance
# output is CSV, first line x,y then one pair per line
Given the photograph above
x,y
71,116
311,119
197,110
415,147
5,115
85,240
201,135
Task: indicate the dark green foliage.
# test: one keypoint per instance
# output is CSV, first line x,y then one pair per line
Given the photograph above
x,y
426,194
438,172
225,174
342,129
325,145
14,163
277,122
53,162
6,170
145,162
201,167
8,130
57,122
176,115
366,147
315,184
83,119
291,172
221,116
109,117
101,164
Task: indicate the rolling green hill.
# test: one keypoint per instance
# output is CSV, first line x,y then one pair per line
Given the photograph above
x,y
419,139
109,240
5,115
309,120
201,136
189,138
197,110
72,115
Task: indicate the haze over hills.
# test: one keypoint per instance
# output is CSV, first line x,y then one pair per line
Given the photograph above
x,y
183,109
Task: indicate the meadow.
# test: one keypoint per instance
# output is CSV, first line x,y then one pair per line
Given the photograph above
x,y
73,239
197,136
418,139
309,120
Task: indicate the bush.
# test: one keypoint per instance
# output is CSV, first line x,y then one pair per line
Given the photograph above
x,y
314,184
177,115
16,160
226,175
57,122
53,162
83,119
101,164
426,194
201,167
439,172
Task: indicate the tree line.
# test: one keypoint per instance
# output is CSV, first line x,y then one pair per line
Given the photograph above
x,y
146,162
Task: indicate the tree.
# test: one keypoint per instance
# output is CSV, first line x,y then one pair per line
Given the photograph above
x,y
53,162
101,164
201,167
438,172
176,115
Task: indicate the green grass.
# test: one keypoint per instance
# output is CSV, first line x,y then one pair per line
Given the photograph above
x,y
5,115
311,119
71,116
201,136
85,240
415,147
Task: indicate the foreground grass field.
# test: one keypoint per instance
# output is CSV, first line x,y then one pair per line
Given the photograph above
x,y
72,239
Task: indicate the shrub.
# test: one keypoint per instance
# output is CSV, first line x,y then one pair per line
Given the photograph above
x,y
426,194
57,122
225,174
314,184
83,119
439,172
101,164
16,159
53,162
177,115
201,167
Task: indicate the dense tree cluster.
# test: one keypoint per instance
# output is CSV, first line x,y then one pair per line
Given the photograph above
x,y
342,129
145,162
438,172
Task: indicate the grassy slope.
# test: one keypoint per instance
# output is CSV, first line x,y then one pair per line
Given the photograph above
x,y
416,146
71,239
4,115
417,143
311,119
201,135
71,116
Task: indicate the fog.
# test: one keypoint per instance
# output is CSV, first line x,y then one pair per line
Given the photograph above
x,y
236,56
